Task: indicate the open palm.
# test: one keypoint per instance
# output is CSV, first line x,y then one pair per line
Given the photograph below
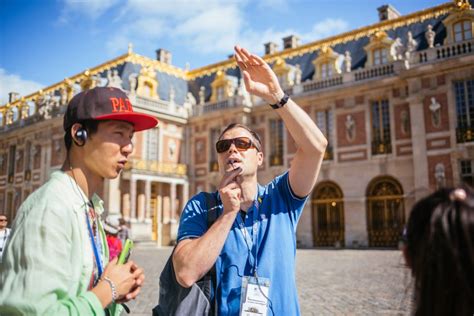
x,y
259,78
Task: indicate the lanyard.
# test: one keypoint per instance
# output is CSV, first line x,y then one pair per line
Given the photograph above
x,y
94,246
250,241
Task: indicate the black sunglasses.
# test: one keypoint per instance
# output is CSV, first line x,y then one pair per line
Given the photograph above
x,y
241,143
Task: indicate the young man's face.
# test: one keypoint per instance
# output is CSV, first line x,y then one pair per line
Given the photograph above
x,y
107,150
3,222
248,160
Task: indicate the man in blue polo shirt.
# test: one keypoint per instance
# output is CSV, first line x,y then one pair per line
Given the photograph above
x,y
253,241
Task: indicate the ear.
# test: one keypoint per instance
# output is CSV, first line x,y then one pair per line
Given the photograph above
x,y
259,158
74,128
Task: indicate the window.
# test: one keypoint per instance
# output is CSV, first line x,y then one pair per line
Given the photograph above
x,y
380,56
276,142
381,140
464,93
463,31
11,163
324,121
326,71
214,136
152,144
467,175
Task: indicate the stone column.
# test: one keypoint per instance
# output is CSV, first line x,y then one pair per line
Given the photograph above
x,y
133,199
418,137
148,210
126,206
173,202
112,197
140,202
159,214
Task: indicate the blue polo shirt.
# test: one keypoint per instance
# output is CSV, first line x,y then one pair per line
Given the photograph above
x,y
278,212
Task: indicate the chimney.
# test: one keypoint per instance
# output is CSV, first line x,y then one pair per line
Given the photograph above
x,y
291,41
270,48
164,56
387,12
13,96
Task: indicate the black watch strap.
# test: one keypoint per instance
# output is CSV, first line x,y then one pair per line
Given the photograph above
x,y
282,102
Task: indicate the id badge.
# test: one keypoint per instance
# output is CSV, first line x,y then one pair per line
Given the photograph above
x,y
254,296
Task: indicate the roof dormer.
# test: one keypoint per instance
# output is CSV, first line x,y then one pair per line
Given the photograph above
x,y
326,64
378,49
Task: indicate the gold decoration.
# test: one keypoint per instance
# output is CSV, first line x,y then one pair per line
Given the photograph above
x,y
379,40
147,83
221,82
88,81
386,25
462,4
326,57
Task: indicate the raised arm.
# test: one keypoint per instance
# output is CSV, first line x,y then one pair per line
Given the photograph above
x,y
261,81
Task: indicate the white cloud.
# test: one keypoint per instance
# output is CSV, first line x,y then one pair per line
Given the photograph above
x,y
326,28
205,26
89,8
14,83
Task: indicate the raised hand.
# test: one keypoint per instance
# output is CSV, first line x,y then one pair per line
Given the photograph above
x,y
259,78
230,191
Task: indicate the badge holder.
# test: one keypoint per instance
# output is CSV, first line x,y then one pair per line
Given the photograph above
x,y
254,296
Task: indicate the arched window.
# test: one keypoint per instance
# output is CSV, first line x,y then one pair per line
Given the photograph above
x,y
385,212
328,215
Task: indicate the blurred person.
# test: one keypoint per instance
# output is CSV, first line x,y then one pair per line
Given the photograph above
x,y
4,233
123,231
439,251
56,261
253,241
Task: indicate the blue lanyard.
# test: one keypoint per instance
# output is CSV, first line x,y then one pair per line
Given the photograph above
x,y
250,241
94,246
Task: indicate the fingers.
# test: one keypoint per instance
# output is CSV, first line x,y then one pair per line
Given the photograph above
x,y
229,177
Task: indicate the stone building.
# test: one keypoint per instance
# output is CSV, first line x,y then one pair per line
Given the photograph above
x,y
395,100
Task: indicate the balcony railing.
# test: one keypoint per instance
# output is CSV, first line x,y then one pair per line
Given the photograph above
x,y
159,167
446,51
464,134
322,84
373,72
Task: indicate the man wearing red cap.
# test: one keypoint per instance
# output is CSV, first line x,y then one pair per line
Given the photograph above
x,y
56,262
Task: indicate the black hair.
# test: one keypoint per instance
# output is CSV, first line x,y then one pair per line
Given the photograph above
x,y
254,134
440,252
90,126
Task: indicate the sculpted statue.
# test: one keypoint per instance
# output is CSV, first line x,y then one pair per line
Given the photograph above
x,y
411,43
405,122
298,74
172,95
63,96
430,36
347,61
397,49
202,95
114,79
435,109
350,128
132,79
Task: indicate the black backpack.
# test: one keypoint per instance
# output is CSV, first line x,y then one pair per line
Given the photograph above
x,y
194,301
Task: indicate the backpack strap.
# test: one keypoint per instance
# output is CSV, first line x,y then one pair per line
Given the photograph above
x,y
212,207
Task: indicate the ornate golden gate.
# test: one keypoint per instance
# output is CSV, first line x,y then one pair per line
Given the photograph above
x,y
328,215
385,212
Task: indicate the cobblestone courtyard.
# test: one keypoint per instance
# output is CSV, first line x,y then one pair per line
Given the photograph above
x,y
330,282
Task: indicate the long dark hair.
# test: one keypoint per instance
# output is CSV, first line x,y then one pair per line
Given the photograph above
x,y
440,252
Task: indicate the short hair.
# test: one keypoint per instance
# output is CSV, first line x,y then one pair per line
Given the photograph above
x,y
440,251
248,129
90,126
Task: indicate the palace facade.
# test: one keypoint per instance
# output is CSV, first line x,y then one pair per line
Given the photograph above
x,y
395,100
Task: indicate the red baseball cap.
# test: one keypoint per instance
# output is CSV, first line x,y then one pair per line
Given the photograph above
x,y
105,103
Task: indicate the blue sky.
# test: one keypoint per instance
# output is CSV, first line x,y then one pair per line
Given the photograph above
x,y
44,41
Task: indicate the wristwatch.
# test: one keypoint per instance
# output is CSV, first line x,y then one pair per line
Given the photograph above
x,y
282,102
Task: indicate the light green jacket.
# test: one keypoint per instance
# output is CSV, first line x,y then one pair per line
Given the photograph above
x,y
48,261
